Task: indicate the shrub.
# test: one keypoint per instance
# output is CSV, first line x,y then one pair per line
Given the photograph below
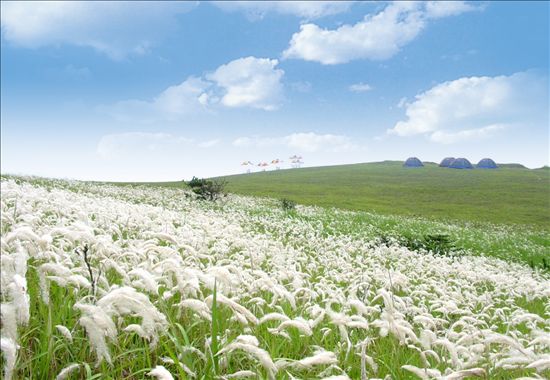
x,y
543,264
439,244
287,204
195,182
208,190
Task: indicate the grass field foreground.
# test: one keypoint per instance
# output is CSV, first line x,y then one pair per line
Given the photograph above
x,y
240,288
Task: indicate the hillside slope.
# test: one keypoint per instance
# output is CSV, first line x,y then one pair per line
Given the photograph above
x,y
506,195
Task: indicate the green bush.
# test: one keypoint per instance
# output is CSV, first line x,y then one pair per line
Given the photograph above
x,y
287,204
208,190
439,244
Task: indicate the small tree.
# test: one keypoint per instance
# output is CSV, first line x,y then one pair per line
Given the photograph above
x,y
208,190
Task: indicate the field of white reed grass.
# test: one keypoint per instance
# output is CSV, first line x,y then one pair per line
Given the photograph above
x,y
105,282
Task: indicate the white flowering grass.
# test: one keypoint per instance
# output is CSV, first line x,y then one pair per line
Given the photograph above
x,y
239,289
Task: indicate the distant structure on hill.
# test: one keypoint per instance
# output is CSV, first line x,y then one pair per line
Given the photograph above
x,y
446,162
296,161
460,163
487,163
413,162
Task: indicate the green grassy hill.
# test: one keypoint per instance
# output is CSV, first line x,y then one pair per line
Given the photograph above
x,y
507,195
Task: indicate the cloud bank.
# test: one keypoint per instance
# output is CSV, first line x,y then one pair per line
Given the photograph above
x,y
474,108
302,141
245,82
376,37
255,10
117,29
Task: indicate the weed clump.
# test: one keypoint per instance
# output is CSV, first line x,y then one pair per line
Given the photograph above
x,y
287,204
543,264
438,244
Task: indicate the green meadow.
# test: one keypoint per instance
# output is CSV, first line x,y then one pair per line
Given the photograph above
x,y
502,213
508,195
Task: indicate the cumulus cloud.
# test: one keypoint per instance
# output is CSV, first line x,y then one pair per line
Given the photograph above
x,y
312,142
301,141
121,144
439,9
304,9
360,87
209,143
186,98
377,37
246,82
117,29
145,145
250,82
473,108
445,137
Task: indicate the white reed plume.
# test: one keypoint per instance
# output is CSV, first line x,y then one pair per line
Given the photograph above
x,y
9,321
492,338
423,373
65,332
66,372
318,358
451,348
9,350
465,373
186,369
194,350
233,306
245,374
299,323
540,365
160,373
60,275
146,280
126,300
98,325
243,343
198,306
273,317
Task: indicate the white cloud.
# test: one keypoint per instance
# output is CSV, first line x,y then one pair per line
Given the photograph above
x,y
74,72
440,9
120,145
301,141
305,9
250,82
312,142
209,143
466,135
186,97
474,108
130,144
376,37
117,29
360,87
245,82
242,142
301,86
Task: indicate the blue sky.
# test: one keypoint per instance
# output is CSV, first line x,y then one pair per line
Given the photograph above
x,y
164,91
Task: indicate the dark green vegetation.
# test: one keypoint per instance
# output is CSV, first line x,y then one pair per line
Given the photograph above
x,y
509,195
287,204
206,189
